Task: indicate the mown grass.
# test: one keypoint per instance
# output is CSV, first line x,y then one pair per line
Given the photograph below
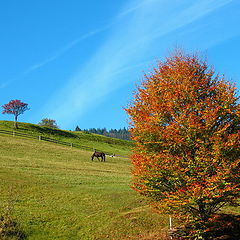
x,y
59,193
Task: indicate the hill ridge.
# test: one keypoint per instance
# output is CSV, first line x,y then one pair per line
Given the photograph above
x,y
82,140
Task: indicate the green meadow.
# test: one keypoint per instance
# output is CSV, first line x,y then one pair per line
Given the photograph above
x,y
57,192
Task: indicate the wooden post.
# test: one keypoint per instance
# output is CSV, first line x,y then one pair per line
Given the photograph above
x,y
14,134
170,222
39,138
170,227
71,145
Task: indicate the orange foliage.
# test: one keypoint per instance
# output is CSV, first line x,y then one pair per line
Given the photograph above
x,y
185,121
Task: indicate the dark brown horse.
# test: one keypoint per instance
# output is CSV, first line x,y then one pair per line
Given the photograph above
x,y
99,155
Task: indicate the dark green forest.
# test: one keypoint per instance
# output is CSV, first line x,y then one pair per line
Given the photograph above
x,y
121,133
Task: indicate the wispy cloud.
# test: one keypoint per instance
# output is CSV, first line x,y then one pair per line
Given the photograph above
x,y
66,48
56,55
188,15
129,48
134,5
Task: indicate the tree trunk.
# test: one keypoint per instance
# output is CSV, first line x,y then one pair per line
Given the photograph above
x,y
15,123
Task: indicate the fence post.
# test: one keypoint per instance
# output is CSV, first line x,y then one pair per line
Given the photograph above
x,y
170,226
14,134
71,145
39,138
170,222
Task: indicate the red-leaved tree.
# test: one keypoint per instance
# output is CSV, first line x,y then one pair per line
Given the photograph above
x,y
185,121
15,107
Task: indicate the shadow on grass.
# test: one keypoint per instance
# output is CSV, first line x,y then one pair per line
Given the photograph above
x,y
47,130
221,227
10,229
226,226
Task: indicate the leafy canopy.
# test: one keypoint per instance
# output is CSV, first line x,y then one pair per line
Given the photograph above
x,y
15,107
47,122
185,121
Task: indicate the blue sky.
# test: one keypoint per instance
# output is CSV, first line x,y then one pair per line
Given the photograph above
x,y
78,62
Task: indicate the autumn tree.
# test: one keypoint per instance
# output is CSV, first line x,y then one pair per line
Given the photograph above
x,y
15,107
185,121
47,122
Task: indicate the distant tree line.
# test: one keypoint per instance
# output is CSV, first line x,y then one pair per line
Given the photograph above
x,y
121,133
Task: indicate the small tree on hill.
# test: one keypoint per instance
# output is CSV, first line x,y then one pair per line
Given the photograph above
x,y
185,122
47,122
15,107
77,128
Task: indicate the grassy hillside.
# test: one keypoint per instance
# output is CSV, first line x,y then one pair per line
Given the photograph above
x,y
58,193
94,141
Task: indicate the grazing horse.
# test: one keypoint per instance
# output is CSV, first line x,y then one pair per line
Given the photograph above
x,y
99,155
